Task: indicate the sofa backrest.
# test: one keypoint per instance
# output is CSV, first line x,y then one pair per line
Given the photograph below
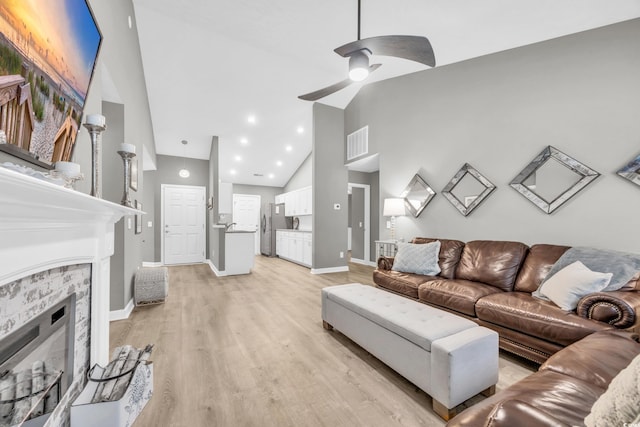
x,y
536,265
450,251
495,263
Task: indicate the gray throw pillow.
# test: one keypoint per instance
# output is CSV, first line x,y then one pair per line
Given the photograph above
x,y
418,258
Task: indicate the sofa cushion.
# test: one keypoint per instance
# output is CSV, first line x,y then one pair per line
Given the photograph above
x,y
620,404
623,265
536,266
457,295
564,399
450,251
417,259
495,263
531,316
584,359
569,285
402,283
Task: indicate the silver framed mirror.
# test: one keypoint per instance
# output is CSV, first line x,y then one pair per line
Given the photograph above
x,y
631,172
467,189
552,178
417,195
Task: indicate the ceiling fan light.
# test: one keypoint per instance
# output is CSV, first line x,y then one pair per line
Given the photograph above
x,y
358,66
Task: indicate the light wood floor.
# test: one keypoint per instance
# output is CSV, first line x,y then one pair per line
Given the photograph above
x,y
251,351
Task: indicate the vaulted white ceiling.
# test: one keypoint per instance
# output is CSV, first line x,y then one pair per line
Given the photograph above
x,y
209,64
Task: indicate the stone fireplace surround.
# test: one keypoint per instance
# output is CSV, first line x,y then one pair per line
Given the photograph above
x,y
44,226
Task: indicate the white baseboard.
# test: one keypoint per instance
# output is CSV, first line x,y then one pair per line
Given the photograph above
x,y
214,269
122,314
329,270
363,262
151,264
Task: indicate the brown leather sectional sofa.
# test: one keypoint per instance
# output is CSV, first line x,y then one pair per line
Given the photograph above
x,y
563,391
491,282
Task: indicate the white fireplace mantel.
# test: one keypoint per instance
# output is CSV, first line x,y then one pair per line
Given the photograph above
x,y
44,226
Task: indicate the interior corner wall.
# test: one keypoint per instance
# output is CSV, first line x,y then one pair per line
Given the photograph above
x,y
167,168
302,177
330,178
579,93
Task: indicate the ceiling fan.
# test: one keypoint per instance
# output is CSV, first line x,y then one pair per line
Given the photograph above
x,y
413,48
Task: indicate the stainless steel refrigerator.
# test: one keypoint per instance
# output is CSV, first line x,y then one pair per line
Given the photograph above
x,y
272,219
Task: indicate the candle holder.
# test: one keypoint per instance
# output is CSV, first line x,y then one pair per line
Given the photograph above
x,y
95,131
126,159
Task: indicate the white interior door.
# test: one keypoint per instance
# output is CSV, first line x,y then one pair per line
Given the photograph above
x,y
246,215
183,213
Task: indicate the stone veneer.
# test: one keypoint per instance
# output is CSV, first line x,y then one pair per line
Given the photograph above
x,y
26,298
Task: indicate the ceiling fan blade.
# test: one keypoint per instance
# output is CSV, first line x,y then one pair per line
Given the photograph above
x,y
413,48
318,94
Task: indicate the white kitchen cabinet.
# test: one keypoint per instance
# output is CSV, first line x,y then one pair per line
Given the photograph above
x,y
307,249
294,246
297,202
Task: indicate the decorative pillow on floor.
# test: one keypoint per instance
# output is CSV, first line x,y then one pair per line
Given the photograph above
x,y
418,258
567,286
620,404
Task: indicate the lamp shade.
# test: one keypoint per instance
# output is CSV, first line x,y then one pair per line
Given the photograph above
x,y
393,207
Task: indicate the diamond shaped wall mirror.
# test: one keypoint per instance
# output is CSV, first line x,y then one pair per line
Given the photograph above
x,y
417,195
631,171
552,178
467,189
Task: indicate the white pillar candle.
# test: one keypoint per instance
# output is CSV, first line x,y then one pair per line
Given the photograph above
x,y
68,168
128,148
96,119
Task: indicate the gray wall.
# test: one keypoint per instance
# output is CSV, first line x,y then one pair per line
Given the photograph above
x,y
149,206
167,173
267,194
373,180
329,187
580,94
302,176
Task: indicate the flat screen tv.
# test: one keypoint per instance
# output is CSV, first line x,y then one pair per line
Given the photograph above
x,y
48,51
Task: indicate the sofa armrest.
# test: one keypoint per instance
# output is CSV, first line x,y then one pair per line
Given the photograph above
x,y
517,413
385,262
617,308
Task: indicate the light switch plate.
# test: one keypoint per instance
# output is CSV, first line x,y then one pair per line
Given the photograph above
x,y
129,223
149,224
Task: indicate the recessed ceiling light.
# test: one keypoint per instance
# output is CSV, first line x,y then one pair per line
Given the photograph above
x,y
251,119
271,176
232,171
300,129
288,148
238,158
279,163
244,141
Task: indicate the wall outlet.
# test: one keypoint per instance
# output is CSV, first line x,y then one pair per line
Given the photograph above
x,y
336,206
341,254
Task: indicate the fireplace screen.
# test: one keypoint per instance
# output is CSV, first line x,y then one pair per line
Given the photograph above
x,y
36,366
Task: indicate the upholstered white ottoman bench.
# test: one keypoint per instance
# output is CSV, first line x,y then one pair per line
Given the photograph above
x,y
449,357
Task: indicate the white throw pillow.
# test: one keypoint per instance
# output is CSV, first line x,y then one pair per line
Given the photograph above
x,y
418,258
620,404
567,286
